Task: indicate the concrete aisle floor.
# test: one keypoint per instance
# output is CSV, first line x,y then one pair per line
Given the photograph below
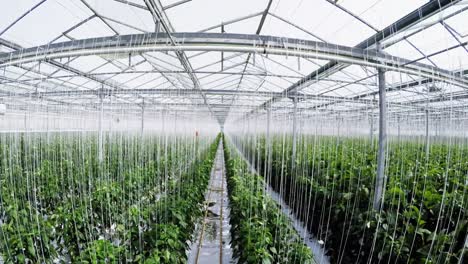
x,y
212,243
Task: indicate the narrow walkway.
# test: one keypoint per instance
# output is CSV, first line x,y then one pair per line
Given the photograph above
x,y
212,243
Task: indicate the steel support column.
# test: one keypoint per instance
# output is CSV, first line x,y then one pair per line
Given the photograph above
x,y
47,125
268,149
142,119
339,125
294,134
399,129
427,135
381,178
100,139
371,131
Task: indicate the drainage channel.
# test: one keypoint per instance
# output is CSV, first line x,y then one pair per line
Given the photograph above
x,y
212,235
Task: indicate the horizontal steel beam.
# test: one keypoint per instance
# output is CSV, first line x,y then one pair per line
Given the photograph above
x,y
370,103
405,85
176,92
179,93
150,42
327,100
206,73
444,98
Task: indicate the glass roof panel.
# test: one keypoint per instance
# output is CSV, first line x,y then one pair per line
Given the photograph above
x,y
455,60
342,22
324,20
39,26
371,10
211,12
458,23
124,13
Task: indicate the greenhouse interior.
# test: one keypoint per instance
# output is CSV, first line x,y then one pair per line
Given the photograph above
x,y
241,131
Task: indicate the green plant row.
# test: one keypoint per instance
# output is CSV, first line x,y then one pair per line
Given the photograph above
x,y
260,232
59,203
331,185
168,237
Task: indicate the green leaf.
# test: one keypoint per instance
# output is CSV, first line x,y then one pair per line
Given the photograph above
x,y
30,247
273,250
347,196
167,255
